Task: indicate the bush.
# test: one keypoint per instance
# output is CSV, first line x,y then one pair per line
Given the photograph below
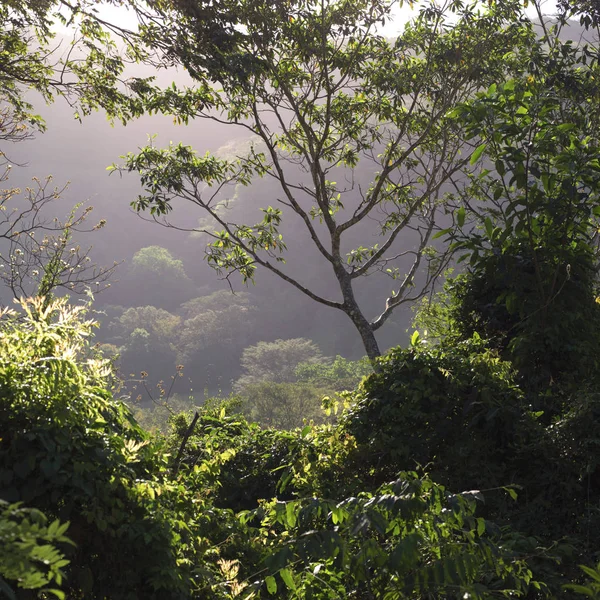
x,y
68,449
154,519
456,408
339,375
283,405
28,553
553,344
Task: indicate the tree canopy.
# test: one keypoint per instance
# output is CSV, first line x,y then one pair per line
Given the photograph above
x,y
464,465
322,93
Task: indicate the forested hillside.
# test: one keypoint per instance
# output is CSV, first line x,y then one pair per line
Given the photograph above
x,y
339,338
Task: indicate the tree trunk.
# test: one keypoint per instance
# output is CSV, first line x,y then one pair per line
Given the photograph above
x,y
366,333
351,308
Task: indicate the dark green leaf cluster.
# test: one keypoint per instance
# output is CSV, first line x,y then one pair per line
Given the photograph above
x,y
28,553
442,406
68,449
410,538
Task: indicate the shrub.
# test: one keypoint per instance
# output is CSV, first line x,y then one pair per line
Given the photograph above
x,y
28,553
451,407
283,405
68,449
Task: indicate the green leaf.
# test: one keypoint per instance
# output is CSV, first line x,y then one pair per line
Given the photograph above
x,y
580,589
511,492
335,515
478,152
53,527
290,514
480,526
593,573
414,340
460,216
489,227
271,584
565,127
288,578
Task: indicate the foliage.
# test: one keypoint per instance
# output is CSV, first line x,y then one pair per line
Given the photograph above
x,y
254,455
530,220
313,541
148,335
25,27
215,330
217,301
592,589
507,394
458,409
271,462
408,539
504,402
283,405
28,553
71,451
206,334
156,417
452,407
39,255
158,276
158,322
158,261
339,375
32,60
339,95
276,361
158,524
434,315
586,10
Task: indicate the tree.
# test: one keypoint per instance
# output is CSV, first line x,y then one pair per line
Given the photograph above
x,y
339,375
214,332
86,72
588,12
283,405
529,224
321,92
38,254
276,361
149,336
159,261
158,277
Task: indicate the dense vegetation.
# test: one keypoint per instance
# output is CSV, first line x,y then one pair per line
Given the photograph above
x,y
464,465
